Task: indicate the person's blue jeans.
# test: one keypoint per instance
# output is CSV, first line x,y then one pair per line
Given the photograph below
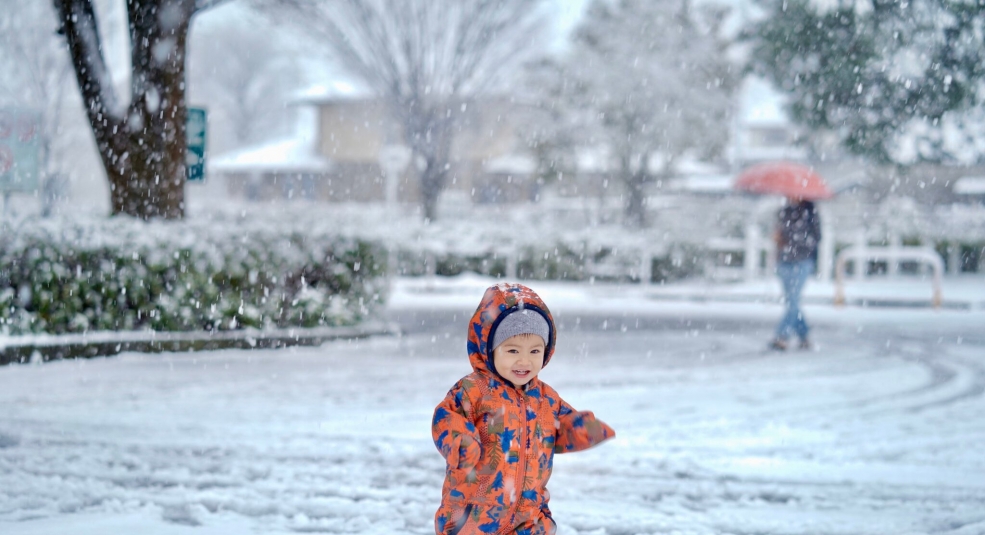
x,y
793,275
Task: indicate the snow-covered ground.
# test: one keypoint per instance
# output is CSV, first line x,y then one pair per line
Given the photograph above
x,y
878,430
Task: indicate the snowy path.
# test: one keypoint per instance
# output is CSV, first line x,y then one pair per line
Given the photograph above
x,y
879,431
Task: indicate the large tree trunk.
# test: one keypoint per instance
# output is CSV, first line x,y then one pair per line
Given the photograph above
x,y
635,200
142,147
433,180
635,181
430,135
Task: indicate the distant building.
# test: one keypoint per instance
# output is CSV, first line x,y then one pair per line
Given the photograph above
x,y
971,188
345,142
762,131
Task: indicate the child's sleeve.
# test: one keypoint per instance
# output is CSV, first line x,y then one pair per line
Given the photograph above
x,y
579,430
454,433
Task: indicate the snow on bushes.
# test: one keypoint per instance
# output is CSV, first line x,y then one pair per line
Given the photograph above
x,y
296,263
71,276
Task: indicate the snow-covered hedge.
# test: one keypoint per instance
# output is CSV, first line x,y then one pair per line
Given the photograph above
x,y
298,263
569,260
119,274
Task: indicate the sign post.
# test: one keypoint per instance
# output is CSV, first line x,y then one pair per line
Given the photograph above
x,y
195,130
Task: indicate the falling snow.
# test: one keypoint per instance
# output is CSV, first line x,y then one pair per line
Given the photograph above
x,y
875,431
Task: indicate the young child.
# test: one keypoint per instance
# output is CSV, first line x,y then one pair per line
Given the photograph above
x,y
499,427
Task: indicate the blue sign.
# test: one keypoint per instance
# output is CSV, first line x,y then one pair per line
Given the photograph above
x,y
195,155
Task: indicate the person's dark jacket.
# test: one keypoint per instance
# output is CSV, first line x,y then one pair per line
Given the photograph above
x,y
799,230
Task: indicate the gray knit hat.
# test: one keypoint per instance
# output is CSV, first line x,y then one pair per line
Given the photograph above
x,y
521,322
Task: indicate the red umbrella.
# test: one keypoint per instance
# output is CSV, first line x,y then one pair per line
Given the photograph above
x,y
784,178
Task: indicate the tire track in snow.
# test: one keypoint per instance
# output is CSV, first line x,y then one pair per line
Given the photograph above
x,y
950,378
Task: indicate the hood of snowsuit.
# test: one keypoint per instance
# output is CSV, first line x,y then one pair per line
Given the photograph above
x,y
498,302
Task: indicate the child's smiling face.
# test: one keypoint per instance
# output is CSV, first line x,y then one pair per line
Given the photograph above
x,y
520,358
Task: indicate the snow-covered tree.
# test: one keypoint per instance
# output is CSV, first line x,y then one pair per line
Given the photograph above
x,y
142,141
900,82
647,79
549,123
423,58
243,81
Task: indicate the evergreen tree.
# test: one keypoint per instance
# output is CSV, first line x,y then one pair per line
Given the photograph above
x,y
899,82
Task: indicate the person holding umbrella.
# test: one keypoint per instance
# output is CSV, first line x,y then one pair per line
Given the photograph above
x,y
797,235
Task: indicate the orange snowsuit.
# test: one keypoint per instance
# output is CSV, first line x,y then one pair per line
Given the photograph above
x,y
499,440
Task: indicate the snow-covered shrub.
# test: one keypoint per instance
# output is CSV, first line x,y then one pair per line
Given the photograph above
x,y
121,274
559,261
563,261
683,260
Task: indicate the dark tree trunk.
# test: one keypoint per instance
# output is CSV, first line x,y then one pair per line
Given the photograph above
x,y
430,137
636,200
635,181
433,180
142,146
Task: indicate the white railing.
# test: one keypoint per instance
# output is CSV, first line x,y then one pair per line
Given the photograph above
x,y
861,256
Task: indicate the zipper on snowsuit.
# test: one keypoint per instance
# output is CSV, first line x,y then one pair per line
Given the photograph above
x,y
522,462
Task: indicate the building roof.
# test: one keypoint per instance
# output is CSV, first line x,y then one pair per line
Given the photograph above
x,y
294,155
760,104
970,185
336,91
704,183
511,164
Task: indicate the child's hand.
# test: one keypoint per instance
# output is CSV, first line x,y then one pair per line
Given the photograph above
x,y
467,453
579,430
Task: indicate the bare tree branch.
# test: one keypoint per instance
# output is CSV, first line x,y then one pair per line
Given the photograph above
x,y
654,80
421,57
